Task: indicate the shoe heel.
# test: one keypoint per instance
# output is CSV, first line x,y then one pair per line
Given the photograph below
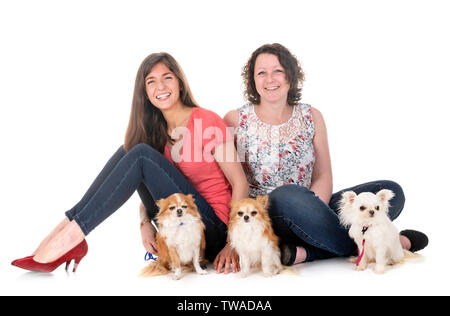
x,y
67,265
77,262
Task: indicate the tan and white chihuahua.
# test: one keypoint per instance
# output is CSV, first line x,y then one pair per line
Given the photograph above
x,y
180,238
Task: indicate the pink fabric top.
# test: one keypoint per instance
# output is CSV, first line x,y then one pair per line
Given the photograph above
x,y
204,131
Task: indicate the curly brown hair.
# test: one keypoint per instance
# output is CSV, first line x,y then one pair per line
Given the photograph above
x,y
294,73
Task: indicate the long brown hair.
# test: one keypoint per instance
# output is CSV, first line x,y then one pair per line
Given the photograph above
x,y
294,73
147,123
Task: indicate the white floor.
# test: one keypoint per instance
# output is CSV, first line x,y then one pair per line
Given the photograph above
x,y
111,268
329,277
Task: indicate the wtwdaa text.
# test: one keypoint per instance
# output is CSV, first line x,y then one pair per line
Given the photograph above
x,y
246,306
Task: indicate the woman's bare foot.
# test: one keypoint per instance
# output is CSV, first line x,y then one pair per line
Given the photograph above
x,y
63,241
405,242
53,233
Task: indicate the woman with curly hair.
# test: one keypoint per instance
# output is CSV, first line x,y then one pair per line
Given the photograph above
x,y
284,148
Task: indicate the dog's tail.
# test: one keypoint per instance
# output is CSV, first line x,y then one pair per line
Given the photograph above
x,y
289,270
407,255
154,269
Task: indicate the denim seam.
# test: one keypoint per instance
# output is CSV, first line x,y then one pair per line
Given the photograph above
x,y
81,224
69,216
112,193
171,179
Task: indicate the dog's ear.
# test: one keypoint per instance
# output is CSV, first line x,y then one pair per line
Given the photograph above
x,y
190,197
263,200
346,213
160,203
163,203
233,204
385,195
348,197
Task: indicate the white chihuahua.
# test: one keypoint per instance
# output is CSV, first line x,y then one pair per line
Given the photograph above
x,y
375,235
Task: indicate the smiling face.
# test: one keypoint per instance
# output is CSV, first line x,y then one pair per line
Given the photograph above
x,y
162,87
270,79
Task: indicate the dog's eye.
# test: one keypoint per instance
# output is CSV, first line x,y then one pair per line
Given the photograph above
x,y
240,213
253,213
184,206
172,208
377,208
362,208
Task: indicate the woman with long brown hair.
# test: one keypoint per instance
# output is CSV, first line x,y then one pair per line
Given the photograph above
x,y
171,146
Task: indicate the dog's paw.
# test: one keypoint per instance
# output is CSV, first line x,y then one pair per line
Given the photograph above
x,y
272,271
379,269
177,274
243,274
202,272
360,268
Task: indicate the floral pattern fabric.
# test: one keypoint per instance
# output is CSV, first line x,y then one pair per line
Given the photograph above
x,y
275,155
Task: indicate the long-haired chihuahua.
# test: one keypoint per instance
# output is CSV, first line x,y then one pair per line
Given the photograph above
x,y
370,226
250,233
180,238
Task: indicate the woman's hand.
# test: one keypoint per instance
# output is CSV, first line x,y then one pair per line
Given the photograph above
x,y
226,257
148,234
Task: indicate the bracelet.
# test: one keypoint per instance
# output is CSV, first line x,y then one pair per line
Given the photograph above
x,y
145,220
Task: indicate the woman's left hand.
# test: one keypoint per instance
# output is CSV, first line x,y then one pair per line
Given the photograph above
x,y
226,257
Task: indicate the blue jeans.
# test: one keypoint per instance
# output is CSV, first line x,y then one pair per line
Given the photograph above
x,y
144,169
299,217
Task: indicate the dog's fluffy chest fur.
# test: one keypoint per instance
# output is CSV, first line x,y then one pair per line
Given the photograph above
x,y
379,236
374,234
248,238
184,235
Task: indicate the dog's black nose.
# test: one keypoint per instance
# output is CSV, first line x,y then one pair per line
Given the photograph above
x,y
179,212
371,212
246,218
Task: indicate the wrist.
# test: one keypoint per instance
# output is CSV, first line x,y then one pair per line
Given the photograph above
x,y
145,221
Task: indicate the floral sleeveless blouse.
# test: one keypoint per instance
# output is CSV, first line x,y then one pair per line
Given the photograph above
x,y
275,155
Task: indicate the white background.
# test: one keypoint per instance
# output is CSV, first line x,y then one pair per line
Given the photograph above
x,y
377,70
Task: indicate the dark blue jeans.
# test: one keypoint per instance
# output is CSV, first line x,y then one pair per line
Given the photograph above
x,y
148,171
299,217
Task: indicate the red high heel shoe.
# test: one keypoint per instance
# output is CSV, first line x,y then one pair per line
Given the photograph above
x,y
20,260
77,253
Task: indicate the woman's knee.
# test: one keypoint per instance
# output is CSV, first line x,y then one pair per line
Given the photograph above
x,y
287,190
290,198
143,149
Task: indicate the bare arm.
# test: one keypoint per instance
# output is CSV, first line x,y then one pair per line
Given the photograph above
x,y
226,156
148,231
322,178
235,174
231,166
